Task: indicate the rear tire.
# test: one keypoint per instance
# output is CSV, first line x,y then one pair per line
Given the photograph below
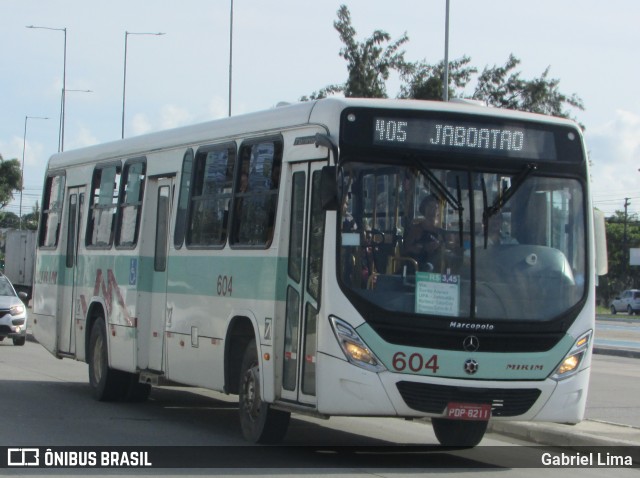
x,y
259,422
458,432
107,384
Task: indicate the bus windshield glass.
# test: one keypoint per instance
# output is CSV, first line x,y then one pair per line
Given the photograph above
x,y
434,242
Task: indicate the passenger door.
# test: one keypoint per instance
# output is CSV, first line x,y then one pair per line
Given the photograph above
x,y
156,238
303,284
72,308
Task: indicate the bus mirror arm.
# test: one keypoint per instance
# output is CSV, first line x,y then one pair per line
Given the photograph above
x,y
327,142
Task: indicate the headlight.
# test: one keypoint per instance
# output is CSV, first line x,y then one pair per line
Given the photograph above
x,y
571,362
16,310
355,350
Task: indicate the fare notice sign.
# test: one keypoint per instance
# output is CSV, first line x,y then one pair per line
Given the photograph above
x,y
437,294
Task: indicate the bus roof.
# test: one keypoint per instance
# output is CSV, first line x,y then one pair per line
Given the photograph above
x,y
282,117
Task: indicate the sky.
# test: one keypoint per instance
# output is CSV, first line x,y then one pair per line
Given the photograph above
x,y
284,49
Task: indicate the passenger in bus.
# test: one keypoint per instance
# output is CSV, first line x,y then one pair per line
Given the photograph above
x,y
367,260
496,235
425,241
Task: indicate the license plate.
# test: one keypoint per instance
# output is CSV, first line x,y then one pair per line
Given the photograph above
x,y
469,411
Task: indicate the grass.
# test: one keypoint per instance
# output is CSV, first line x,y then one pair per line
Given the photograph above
x,y
605,312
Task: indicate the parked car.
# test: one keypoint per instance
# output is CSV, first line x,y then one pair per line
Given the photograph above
x,y
628,301
13,312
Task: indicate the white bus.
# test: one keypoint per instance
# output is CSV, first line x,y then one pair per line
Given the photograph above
x,y
340,257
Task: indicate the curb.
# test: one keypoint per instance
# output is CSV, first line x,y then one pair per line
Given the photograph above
x,y
616,352
588,434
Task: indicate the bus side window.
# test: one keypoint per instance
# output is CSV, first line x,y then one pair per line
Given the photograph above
x,y
210,196
103,205
51,211
183,200
256,193
130,203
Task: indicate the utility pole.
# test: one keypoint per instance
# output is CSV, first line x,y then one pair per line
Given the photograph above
x,y
625,250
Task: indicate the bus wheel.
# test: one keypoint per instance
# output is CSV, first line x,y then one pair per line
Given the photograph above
x,y
458,432
106,383
259,422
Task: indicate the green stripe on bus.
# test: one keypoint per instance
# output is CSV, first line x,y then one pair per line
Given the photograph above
x,y
255,277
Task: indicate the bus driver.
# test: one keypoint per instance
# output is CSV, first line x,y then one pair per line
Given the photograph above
x,y
425,242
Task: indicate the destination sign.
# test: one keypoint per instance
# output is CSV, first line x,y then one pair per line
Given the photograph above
x,y
451,135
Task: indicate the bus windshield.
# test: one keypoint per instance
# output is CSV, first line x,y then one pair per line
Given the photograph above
x,y
465,243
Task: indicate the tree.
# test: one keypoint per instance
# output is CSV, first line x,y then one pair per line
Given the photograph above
x,y
503,87
424,81
9,220
10,180
621,275
369,63
30,221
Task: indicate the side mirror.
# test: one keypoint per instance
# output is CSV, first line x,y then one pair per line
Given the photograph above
x,y
329,189
23,296
600,235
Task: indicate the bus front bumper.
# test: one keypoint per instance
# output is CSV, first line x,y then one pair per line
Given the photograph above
x,y
344,389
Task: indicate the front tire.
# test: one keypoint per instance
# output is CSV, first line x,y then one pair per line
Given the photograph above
x,y
459,432
19,340
107,384
613,310
259,422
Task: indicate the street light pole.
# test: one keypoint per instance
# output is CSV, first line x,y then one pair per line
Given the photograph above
x,y
24,147
64,84
445,87
230,54
124,81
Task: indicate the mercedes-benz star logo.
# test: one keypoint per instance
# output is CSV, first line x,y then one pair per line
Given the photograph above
x,y
471,343
471,366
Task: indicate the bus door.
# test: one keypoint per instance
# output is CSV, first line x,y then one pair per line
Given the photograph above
x,y
72,307
303,284
156,237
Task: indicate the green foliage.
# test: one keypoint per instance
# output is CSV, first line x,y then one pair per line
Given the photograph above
x,y
370,62
9,220
10,179
621,275
31,220
424,81
502,87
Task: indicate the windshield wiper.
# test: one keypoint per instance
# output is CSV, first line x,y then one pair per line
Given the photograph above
x,y
503,198
440,188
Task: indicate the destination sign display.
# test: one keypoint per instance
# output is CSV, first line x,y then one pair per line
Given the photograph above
x,y
451,135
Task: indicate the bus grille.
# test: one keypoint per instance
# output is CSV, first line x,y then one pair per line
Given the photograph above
x,y
505,402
